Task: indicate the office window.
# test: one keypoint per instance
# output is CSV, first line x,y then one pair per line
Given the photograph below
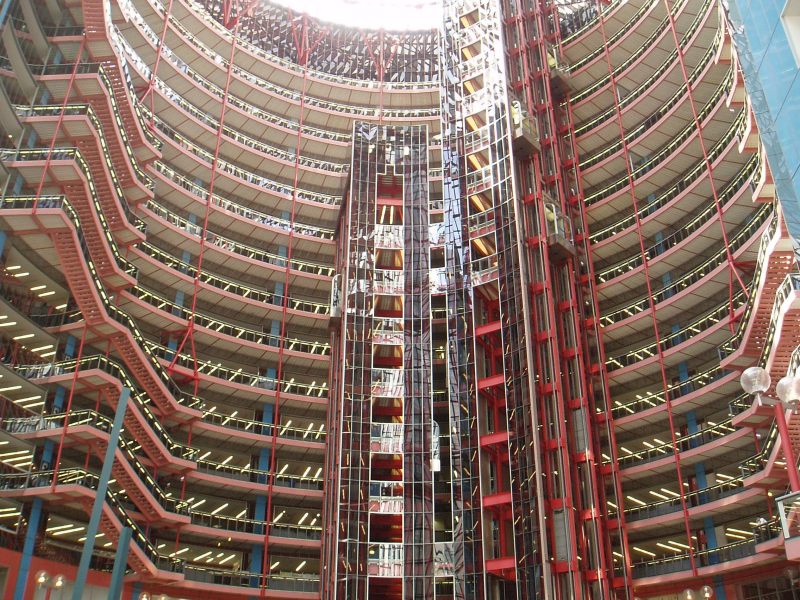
x,y
790,17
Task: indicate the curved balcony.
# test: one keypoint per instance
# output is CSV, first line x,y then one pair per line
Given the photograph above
x,y
653,40
599,117
251,83
687,334
689,133
229,473
317,72
241,209
111,207
683,444
158,212
216,326
606,269
152,500
697,498
205,160
118,132
249,111
654,399
215,372
145,557
617,148
239,139
598,51
141,418
697,274
52,424
703,558
232,424
576,30
228,288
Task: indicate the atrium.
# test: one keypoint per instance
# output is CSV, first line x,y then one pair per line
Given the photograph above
x,y
399,299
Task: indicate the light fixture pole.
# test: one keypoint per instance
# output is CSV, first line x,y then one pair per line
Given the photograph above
x,y
756,380
705,593
43,580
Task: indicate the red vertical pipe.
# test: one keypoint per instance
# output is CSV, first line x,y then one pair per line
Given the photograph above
x,y
645,264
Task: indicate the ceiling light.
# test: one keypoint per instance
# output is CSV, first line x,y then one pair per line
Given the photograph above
x,y
219,508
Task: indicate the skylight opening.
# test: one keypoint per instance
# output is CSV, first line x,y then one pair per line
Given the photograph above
x,y
391,15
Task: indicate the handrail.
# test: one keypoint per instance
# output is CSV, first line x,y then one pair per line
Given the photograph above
x,y
704,321
87,68
89,111
617,183
239,207
302,266
576,32
736,241
732,344
756,463
229,285
605,271
791,283
682,562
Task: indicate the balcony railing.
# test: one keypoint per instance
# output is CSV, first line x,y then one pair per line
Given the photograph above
x,y
233,287
236,247
675,338
736,241
607,270
240,208
682,444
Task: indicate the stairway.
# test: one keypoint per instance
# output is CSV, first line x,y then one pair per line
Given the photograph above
x,y
134,189
102,51
115,215
96,316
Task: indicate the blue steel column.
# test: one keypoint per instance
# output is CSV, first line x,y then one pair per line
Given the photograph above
x,y
100,496
260,507
120,562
